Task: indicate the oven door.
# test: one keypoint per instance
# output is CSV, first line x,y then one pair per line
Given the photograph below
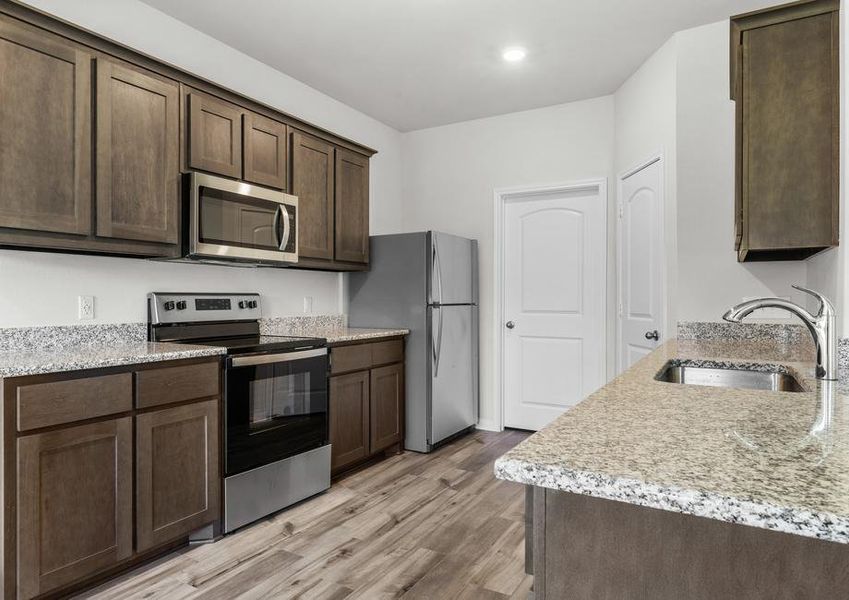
x,y
276,407
234,220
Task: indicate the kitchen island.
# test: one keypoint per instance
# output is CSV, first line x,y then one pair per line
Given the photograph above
x,y
649,489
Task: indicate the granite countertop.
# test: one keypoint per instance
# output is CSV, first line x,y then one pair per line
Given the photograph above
x,y
333,332
775,460
15,363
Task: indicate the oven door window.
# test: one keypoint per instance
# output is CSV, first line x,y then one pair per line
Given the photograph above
x,y
228,219
275,411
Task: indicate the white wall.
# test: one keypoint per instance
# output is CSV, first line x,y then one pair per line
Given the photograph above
x,y
46,285
450,173
645,127
709,277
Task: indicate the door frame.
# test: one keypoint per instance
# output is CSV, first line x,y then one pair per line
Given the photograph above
x,y
653,158
501,197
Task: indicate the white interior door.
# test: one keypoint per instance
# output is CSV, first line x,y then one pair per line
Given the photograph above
x,y
640,263
554,282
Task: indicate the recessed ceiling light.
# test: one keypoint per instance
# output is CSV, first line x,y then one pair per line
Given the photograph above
x,y
514,54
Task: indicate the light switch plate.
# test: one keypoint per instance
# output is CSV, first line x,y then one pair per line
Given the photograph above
x,y
307,304
86,308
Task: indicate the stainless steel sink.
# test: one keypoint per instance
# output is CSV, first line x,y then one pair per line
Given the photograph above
x,y
776,381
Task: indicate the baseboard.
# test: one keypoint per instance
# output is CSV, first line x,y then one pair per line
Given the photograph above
x,y
489,425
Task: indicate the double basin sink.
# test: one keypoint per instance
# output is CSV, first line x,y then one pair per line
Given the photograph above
x,y
774,380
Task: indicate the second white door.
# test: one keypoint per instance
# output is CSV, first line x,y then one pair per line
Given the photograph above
x,y
640,263
554,303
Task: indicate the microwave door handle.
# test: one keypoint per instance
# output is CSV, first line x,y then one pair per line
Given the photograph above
x,y
276,225
287,227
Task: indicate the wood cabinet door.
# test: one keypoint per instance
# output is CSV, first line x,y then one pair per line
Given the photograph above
x,y
387,406
138,163
177,472
265,151
75,503
352,180
215,135
349,418
45,120
312,183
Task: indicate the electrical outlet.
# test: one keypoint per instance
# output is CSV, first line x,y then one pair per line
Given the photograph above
x,y
86,308
307,304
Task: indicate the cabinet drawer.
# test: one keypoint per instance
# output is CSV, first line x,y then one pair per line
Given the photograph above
x,y
356,357
58,402
344,359
385,353
155,387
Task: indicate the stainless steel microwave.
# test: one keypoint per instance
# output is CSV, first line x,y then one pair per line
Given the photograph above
x,y
236,221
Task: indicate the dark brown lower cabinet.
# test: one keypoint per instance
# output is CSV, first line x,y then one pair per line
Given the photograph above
x,y
349,419
387,410
75,504
78,501
366,401
585,547
177,487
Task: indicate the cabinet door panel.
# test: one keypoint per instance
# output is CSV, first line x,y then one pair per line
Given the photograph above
x,y
215,135
312,183
352,195
45,117
265,151
177,489
75,503
387,406
138,169
349,418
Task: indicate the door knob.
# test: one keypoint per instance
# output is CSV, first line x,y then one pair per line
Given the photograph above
x,y
652,335
510,324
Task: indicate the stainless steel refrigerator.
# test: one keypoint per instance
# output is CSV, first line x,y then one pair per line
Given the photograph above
x,y
427,282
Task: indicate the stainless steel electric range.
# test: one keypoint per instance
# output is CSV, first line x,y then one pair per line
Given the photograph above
x,y
276,446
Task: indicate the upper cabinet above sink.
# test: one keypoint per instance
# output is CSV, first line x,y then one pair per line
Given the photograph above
x,y
785,81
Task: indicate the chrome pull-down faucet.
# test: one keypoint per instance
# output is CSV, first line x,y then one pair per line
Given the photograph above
x,y
823,326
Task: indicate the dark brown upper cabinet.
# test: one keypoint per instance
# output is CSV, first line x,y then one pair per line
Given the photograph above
x,y
265,152
95,137
312,183
138,136
352,197
785,80
215,135
45,117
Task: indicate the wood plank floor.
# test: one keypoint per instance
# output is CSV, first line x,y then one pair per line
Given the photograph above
x,y
414,526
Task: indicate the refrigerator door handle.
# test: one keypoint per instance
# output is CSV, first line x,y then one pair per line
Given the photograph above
x,y
437,343
437,270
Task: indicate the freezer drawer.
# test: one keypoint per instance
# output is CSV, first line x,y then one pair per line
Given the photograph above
x,y
454,371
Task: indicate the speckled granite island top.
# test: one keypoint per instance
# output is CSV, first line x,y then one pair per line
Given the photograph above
x,y
775,460
16,363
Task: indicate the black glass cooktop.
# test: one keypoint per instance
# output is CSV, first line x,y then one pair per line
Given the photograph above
x,y
262,343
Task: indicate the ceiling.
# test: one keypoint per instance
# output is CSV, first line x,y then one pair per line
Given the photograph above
x,y
414,64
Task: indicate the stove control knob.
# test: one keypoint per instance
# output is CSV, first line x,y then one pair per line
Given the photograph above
x,y
252,304
181,305
243,304
168,305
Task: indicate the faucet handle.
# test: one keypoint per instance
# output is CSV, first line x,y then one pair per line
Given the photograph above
x,y
825,304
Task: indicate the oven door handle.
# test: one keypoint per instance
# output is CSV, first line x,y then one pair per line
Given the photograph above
x,y
265,359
